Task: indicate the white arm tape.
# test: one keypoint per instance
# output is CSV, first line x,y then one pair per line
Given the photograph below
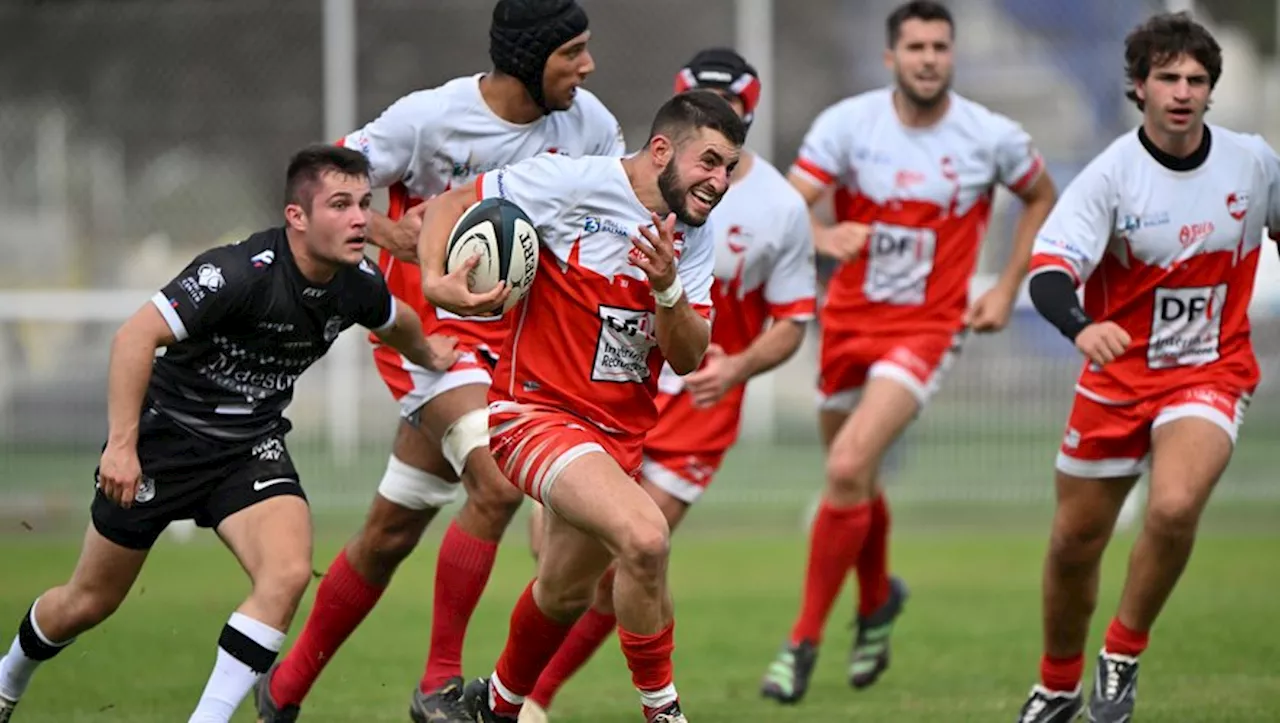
x,y
469,432
669,296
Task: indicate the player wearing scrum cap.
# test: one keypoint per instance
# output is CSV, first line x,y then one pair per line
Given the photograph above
x,y
427,142
763,292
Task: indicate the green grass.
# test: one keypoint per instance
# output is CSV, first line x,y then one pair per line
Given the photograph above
x,y
966,650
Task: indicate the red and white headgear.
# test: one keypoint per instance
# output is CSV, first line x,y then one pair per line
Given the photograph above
x,y
722,68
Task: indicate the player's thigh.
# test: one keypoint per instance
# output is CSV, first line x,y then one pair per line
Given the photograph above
x,y
830,421
1192,439
885,410
1103,453
673,508
105,571
415,447
537,529
677,480
1087,508
571,563
595,495
260,511
272,539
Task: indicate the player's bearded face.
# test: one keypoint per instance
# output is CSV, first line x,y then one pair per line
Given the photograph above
x,y
339,219
697,176
567,68
1176,95
921,61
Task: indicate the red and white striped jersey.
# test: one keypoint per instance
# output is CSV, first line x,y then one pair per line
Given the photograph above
x,y
925,192
432,140
584,337
1169,255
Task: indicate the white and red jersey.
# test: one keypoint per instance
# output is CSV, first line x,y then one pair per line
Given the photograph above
x,y
1170,256
584,338
763,270
926,193
432,140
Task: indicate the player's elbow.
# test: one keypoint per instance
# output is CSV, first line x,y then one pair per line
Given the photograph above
x,y
687,357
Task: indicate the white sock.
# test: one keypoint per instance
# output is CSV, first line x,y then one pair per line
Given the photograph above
x,y
659,699
16,670
245,650
17,667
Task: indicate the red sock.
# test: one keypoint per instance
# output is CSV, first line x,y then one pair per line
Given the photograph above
x,y
834,546
649,658
873,562
1061,675
1121,640
532,641
462,571
342,601
586,637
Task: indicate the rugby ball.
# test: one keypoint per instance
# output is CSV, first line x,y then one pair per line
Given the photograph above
x,y
507,243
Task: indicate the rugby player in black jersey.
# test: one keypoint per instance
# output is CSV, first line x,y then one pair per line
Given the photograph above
x,y
198,433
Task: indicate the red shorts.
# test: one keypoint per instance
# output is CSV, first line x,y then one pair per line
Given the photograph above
x,y
916,362
533,444
682,475
413,386
1114,440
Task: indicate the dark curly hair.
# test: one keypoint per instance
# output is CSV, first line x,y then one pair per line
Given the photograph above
x,y
1164,38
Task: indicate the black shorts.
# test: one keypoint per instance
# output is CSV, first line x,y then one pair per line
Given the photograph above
x,y
189,477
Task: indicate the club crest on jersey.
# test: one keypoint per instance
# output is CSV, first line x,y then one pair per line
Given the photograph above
x,y
210,277
1238,204
332,328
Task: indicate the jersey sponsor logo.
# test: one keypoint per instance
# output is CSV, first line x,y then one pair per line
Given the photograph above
x,y
210,277
268,450
1193,233
622,350
1186,325
595,224
899,261
312,292
1238,204
263,259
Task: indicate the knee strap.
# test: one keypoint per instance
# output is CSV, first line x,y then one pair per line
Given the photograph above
x,y
470,431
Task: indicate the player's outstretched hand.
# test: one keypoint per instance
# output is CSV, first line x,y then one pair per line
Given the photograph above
x,y
442,352
842,241
718,374
452,292
992,310
403,245
119,473
656,255
1102,342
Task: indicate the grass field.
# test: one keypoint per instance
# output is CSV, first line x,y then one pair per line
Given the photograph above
x,y
966,650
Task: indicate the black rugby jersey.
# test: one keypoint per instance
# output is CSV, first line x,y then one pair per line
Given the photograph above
x,y
248,323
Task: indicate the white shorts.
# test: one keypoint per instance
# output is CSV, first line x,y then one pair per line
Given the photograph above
x,y
413,386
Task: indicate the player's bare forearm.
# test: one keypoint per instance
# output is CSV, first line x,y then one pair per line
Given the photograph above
x,y
683,336
439,219
776,345
406,336
380,230
1037,200
133,350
